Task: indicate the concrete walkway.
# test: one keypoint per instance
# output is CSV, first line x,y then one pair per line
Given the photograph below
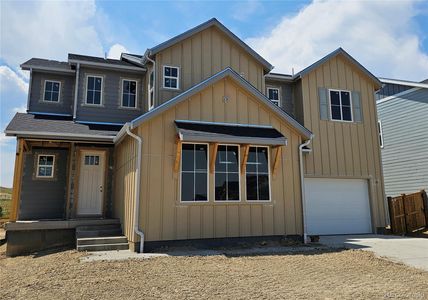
x,y
410,251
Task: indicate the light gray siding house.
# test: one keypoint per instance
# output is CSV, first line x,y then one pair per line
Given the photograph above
x,y
403,126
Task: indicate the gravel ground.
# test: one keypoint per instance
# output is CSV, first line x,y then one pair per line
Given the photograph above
x,y
317,274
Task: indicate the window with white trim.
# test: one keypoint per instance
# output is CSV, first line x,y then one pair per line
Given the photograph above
x,y
129,93
340,105
380,132
94,87
194,172
171,77
52,91
273,95
151,90
45,166
257,174
227,173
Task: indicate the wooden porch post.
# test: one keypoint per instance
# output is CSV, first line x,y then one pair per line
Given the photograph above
x,y
17,179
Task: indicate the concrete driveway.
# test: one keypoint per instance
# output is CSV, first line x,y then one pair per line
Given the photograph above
x,y
410,251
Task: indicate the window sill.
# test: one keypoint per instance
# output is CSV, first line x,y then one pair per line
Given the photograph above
x,y
170,89
92,105
128,108
50,102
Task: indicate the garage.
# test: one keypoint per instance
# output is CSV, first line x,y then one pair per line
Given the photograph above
x,y
337,206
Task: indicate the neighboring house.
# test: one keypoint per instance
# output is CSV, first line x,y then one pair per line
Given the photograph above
x,y
195,139
402,108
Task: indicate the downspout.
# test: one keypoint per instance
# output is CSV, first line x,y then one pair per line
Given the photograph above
x,y
30,83
76,89
302,187
146,55
137,229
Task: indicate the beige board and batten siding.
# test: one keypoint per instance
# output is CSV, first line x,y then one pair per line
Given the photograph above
x,y
163,217
203,55
344,149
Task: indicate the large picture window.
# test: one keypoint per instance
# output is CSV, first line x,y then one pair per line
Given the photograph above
x,y
52,91
340,105
129,93
227,173
94,90
257,174
194,172
45,166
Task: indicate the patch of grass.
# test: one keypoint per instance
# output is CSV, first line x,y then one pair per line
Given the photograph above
x,y
5,202
5,190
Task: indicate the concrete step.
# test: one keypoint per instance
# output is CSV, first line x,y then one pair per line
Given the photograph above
x,y
102,240
103,247
98,233
97,227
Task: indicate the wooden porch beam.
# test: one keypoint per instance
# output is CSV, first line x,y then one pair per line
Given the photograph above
x,y
177,155
213,157
17,179
245,158
277,159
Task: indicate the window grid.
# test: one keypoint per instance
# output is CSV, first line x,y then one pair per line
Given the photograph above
x,y
170,77
273,95
340,106
227,171
258,173
52,91
45,166
129,93
195,171
94,90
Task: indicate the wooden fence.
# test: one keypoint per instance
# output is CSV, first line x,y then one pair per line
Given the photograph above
x,y
408,213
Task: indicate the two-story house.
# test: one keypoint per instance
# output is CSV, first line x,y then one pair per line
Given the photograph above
x,y
194,139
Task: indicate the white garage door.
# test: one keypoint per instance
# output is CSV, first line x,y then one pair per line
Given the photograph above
x,y
337,206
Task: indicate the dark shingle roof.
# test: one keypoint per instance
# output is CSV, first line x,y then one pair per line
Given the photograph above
x,y
59,127
46,63
102,60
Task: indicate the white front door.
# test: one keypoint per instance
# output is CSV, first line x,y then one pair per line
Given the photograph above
x,y
91,183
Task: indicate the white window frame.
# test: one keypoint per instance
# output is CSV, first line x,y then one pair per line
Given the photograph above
x,y
239,176
171,77
101,91
340,99
380,133
208,174
269,177
150,89
44,91
50,166
136,93
279,95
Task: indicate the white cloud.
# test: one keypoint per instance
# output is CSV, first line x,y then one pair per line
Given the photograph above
x,y
9,78
378,34
116,50
244,10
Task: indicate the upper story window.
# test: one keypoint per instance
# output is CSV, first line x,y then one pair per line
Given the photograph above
x,y
129,93
45,166
227,173
94,88
151,90
52,91
273,95
171,77
194,172
340,105
257,174
380,132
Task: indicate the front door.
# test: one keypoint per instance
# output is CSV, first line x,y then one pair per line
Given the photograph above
x,y
91,183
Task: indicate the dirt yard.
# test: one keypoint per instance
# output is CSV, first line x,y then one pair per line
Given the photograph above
x,y
305,275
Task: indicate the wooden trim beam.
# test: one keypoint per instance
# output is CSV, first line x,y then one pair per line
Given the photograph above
x,y
17,179
177,156
245,158
213,157
277,159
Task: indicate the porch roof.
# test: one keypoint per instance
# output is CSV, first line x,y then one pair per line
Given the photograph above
x,y
56,127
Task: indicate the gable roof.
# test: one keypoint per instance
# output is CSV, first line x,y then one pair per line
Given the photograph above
x,y
203,26
338,51
228,72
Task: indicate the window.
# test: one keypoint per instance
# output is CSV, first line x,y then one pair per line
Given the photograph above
x,y
340,105
257,174
194,172
45,166
94,90
170,77
92,160
129,93
151,90
273,95
380,132
227,173
52,91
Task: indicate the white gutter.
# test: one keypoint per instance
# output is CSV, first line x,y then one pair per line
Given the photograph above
x,y
43,134
404,82
29,89
76,90
105,65
137,229
146,56
302,187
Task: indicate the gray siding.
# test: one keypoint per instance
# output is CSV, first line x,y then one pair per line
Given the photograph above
x,y
390,89
43,198
65,104
110,111
286,94
405,133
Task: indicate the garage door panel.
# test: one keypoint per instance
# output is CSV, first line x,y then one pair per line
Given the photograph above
x,y
337,206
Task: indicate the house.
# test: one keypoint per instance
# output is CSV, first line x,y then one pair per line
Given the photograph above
x,y
194,139
403,134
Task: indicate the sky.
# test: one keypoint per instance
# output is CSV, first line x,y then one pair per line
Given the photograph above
x,y
390,38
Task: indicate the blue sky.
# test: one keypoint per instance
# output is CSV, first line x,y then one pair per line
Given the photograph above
x,y
390,38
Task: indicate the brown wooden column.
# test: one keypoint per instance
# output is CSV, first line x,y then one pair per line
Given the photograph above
x,y
17,178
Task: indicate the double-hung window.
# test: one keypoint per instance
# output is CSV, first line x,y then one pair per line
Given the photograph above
x,y
52,91
340,105
45,166
94,87
129,93
257,174
194,172
273,95
151,90
171,77
227,173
